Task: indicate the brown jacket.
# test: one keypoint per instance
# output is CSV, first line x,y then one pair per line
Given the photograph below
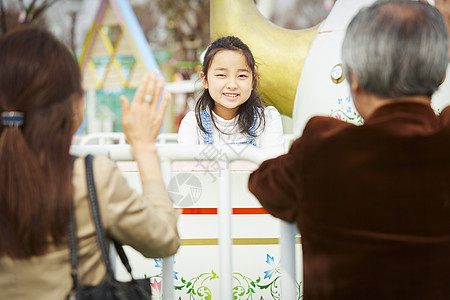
x,y
371,202
146,222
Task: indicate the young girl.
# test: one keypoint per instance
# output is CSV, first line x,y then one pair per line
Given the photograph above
x,y
229,110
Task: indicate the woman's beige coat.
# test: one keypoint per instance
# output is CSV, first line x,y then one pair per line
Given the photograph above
x,y
146,222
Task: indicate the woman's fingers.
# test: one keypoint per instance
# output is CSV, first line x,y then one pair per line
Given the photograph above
x,y
150,88
125,104
141,89
157,93
159,118
164,103
142,119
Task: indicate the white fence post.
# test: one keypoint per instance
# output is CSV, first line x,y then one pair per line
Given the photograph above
x,y
287,245
167,262
225,239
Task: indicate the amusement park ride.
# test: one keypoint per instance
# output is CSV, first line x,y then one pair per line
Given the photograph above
x,y
301,75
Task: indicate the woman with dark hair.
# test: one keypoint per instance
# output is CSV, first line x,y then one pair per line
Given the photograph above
x,y
42,105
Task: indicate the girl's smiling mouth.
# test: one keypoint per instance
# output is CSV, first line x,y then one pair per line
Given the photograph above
x,y
231,95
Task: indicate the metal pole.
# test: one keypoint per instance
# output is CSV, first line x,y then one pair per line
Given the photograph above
x,y
225,240
167,262
287,245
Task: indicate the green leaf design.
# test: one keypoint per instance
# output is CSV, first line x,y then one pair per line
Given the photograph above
x,y
214,275
244,288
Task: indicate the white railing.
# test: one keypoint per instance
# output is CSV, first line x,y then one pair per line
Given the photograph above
x,y
103,138
169,153
112,138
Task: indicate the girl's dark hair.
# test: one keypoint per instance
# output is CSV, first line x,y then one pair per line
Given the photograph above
x,y
38,77
251,112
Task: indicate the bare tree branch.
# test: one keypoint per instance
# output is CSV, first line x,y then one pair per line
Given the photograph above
x,y
43,7
25,9
34,13
22,4
30,13
3,16
32,4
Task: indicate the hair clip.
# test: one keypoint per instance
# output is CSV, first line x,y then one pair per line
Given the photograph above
x,y
12,118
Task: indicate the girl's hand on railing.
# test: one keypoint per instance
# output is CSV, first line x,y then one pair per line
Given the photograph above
x,y
142,119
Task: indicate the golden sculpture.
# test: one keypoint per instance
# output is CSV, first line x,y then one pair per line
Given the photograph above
x,y
279,52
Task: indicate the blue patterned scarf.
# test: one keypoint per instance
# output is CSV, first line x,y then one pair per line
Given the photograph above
x,y
208,135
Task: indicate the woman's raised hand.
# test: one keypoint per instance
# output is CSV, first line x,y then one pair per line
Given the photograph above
x,y
142,119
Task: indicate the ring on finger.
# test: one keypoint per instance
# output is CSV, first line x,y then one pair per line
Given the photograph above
x,y
148,98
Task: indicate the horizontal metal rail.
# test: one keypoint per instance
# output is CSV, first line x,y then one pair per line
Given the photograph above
x,y
112,138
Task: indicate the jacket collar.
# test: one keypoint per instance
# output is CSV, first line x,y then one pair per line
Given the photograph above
x,y
406,114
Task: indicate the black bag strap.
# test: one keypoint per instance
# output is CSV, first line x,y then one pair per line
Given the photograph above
x,y
123,257
98,223
95,211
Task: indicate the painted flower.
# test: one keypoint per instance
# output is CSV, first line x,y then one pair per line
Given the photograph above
x,y
158,264
156,285
275,268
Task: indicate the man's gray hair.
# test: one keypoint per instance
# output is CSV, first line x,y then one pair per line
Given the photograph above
x,y
397,48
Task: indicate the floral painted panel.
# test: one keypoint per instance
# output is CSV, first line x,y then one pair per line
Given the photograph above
x,y
205,285
345,111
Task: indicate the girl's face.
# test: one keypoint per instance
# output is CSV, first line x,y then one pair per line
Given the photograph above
x,y
229,82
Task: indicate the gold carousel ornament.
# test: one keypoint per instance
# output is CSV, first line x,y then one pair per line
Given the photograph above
x,y
279,52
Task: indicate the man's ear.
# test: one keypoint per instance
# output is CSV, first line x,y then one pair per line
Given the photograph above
x,y
204,81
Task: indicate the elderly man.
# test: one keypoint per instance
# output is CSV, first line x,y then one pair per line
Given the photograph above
x,y
372,202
